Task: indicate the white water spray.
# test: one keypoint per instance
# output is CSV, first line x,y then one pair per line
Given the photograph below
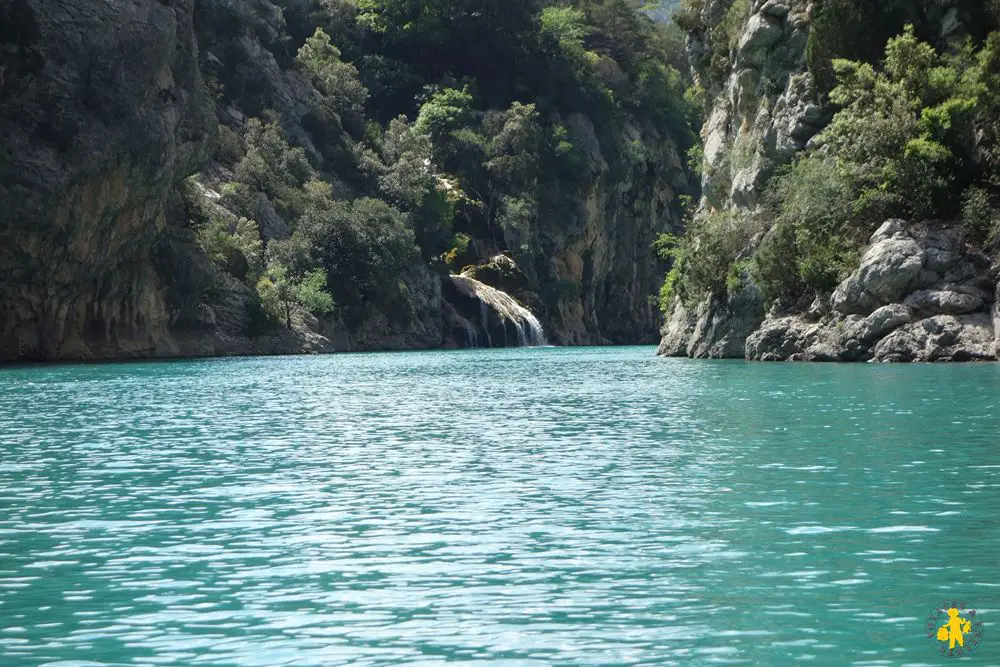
x,y
529,329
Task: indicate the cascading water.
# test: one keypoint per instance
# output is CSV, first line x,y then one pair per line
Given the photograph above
x,y
507,309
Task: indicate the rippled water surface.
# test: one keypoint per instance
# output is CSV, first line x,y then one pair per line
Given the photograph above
x,y
519,507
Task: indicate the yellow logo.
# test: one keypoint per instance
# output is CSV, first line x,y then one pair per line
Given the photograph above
x,y
955,628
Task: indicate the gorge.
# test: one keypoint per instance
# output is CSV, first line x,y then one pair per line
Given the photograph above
x,y
492,211
210,177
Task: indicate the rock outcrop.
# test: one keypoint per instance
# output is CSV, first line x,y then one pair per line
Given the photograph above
x,y
716,329
920,294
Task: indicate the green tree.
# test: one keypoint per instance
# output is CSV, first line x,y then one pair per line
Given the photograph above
x,y
277,294
407,178
902,130
447,111
333,77
567,28
513,149
235,245
364,244
273,167
280,294
312,295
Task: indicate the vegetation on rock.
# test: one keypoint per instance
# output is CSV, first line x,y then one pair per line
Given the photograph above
x,y
914,135
438,134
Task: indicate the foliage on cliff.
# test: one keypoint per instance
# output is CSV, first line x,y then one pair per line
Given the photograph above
x,y
859,30
915,138
914,135
441,129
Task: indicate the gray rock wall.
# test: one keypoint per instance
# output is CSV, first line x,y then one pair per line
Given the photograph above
x,y
606,254
104,110
102,113
764,110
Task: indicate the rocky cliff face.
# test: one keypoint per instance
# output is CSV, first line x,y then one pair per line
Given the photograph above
x,y
606,258
102,113
764,107
920,294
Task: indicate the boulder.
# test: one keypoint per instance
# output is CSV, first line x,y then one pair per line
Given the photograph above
x,y
940,338
775,8
789,338
942,302
879,324
761,33
887,269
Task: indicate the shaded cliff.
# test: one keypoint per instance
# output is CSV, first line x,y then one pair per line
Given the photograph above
x,y
93,145
202,177
806,156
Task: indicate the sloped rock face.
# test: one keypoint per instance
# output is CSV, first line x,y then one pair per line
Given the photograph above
x,y
716,329
920,294
102,113
765,109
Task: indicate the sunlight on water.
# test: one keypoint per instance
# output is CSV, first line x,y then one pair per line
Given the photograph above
x,y
527,506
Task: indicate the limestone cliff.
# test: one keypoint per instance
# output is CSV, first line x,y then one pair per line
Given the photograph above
x,y
764,108
102,113
605,257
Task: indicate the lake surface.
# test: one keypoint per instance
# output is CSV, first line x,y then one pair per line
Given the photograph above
x,y
511,507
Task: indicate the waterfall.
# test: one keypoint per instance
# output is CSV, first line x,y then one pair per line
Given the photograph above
x,y
529,329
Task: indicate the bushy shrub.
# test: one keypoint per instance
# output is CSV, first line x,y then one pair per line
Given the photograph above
x,y
980,218
775,270
445,112
228,146
271,166
566,26
337,80
458,256
236,246
311,293
270,301
280,294
812,245
903,131
705,259
899,146
365,245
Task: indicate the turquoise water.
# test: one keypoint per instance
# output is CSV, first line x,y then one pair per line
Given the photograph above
x,y
517,507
